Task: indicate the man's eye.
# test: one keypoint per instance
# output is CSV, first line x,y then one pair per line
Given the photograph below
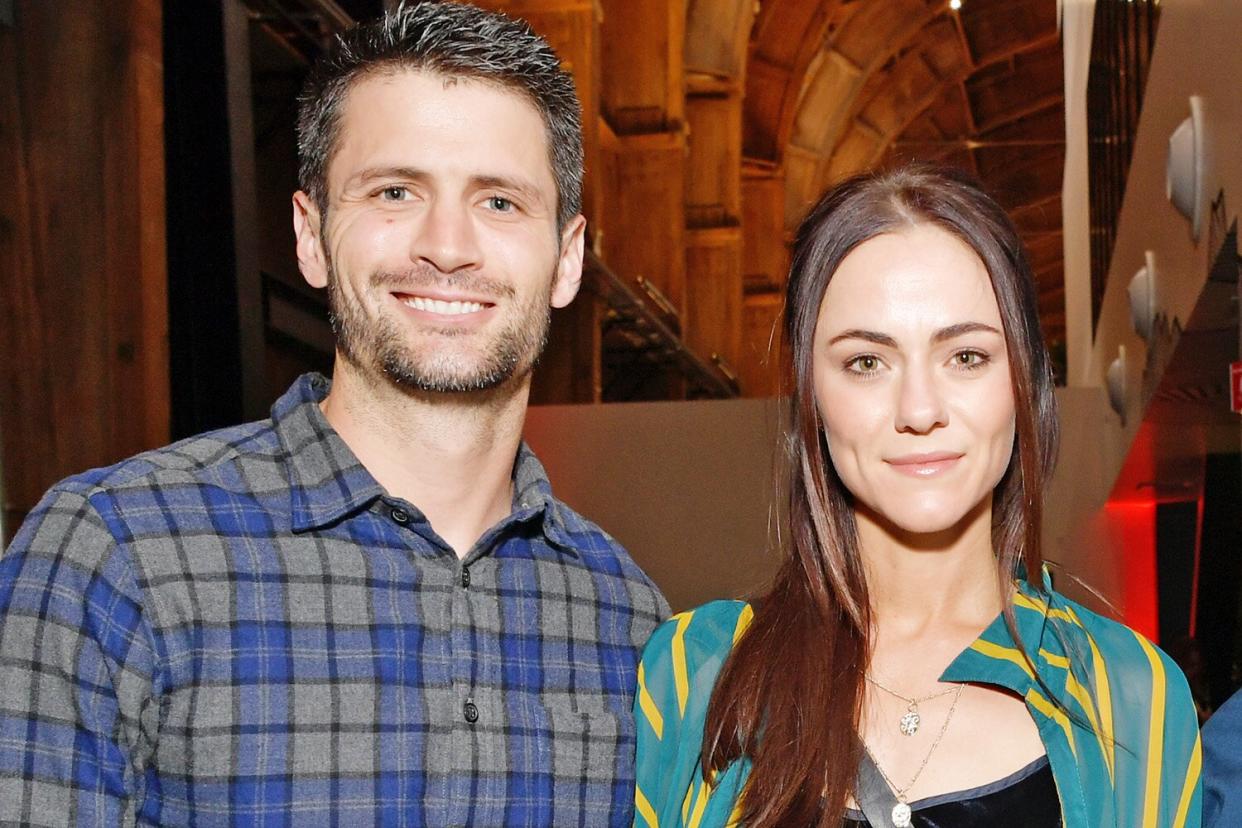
x,y
499,204
394,193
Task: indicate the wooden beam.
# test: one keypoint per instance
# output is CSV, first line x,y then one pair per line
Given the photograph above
x,y
1017,114
82,210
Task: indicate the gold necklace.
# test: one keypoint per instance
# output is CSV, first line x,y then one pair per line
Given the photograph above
x,y
909,724
901,812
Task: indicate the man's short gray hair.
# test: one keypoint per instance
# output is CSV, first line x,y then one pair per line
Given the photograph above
x,y
457,41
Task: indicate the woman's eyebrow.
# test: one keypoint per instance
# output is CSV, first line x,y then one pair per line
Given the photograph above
x,y
954,331
942,335
869,336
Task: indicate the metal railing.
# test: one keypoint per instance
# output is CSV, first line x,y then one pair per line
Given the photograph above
x,y
648,337
1122,39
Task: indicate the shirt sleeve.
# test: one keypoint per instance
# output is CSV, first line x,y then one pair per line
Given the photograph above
x,y
659,727
1182,756
77,716
1158,755
676,676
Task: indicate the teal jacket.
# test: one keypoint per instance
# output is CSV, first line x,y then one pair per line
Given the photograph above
x,y
1129,756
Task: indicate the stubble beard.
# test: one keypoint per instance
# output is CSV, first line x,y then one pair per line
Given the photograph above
x,y
380,348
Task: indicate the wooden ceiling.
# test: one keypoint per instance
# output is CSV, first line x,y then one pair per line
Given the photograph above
x,y
837,86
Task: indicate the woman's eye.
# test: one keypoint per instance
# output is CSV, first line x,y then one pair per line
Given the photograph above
x,y
969,359
499,204
865,364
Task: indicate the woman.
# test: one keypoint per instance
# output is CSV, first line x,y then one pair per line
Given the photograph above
x,y
896,673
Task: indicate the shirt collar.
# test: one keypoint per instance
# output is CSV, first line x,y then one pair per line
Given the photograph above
x,y
327,482
532,496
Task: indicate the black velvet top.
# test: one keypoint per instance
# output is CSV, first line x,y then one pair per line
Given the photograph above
x,y
1024,799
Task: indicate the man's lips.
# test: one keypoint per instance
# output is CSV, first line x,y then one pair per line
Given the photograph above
x,y
444,304
926,464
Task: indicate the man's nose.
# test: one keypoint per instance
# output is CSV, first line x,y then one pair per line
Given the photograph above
x,y
446,237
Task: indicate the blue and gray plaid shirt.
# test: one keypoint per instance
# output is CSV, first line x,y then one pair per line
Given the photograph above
x,y
245,629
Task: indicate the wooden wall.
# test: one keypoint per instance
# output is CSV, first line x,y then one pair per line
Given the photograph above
x,y
644,171
83,316
570,370
662,85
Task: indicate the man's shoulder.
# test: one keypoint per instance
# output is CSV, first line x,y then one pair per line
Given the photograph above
x,y
1224,728
600,552
232,462
85,519
589,540
210,458
1222,765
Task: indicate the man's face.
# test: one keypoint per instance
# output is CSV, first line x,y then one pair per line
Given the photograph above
x,y
439,248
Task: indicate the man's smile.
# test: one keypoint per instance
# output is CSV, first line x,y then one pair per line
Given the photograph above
x,y
454,307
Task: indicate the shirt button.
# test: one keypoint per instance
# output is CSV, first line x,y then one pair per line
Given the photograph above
x,y
400,516
465,577
470,711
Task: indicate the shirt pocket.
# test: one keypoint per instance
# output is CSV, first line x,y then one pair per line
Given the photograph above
x,y
580,743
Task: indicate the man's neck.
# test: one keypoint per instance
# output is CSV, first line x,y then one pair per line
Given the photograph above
x,y
451,455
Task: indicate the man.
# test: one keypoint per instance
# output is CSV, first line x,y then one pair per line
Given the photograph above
x,y
368,609
1222,765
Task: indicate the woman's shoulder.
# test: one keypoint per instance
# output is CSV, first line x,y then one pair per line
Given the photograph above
x,y
1118,685
688,650
705,631
1118,645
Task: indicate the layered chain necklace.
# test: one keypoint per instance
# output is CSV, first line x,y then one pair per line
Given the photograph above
x,y
901,812
909,724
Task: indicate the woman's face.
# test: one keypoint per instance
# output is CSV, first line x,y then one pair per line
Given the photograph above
x,y
912,379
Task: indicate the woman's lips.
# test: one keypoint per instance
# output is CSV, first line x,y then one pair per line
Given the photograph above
x,y
924,465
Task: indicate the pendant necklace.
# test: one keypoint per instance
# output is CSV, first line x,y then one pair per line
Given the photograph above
x,y
901,812
909,724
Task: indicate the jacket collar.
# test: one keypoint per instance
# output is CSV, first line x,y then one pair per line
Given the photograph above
x,y
996,658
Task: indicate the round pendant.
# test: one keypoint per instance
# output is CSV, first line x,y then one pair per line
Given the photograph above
x,y
901,815
910,723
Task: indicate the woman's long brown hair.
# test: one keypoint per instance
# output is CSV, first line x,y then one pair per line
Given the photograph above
x,y
790,695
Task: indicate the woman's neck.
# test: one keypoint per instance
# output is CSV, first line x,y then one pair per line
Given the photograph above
x,y
924,582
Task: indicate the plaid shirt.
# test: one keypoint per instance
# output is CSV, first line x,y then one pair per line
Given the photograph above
x,y
245,629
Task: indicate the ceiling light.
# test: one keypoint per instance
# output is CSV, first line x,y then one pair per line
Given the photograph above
x,y
956,5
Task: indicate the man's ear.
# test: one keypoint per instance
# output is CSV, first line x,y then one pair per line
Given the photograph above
x,y
306,229
569,267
